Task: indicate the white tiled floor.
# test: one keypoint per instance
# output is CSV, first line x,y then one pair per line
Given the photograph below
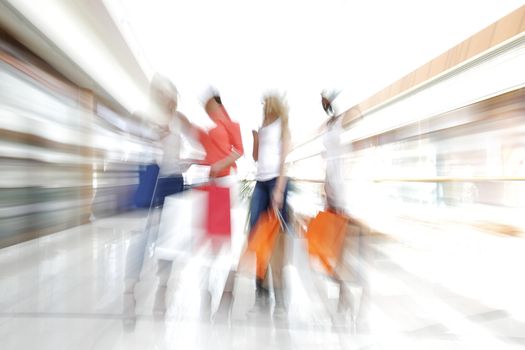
x,y
423,289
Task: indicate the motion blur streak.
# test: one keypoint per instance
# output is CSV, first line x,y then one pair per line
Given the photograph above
x,y
404,225
65,155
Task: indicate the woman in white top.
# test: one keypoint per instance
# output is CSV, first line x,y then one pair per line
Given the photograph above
x,y
270,148
334,180
164,100
348,274
163,103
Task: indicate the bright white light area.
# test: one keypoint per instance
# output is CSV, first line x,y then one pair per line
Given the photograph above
x,y
495,76
62,25
245,47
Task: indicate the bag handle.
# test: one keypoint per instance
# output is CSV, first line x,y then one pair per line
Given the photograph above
x,y
282,223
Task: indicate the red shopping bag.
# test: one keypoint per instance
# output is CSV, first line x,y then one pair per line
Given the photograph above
x,y
325,236
217,218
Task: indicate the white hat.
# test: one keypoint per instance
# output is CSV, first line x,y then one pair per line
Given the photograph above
x,y
330,95
208,93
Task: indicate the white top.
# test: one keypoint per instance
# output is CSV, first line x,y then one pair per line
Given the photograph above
x,y
332,140
270,149
335,179
171,163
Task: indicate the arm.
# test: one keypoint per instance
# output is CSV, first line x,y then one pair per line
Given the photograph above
x,y
224,163
193,131
187,126
255,152
278,192
195,135
234,134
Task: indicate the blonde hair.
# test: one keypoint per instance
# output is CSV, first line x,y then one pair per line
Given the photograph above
x,y
275,104
163,92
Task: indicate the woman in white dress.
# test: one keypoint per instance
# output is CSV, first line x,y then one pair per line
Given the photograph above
x,y
334,178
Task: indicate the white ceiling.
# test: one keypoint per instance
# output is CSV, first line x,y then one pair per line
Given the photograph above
x,y
301,47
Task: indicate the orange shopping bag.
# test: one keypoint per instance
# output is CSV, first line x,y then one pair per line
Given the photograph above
x,y
262,241
325,236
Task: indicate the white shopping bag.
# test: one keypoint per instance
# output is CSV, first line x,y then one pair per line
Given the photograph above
x,y
180,225
306,306
243,289
219,271
188,301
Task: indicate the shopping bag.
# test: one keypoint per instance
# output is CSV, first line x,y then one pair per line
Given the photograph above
x,y
262,241
147,179
325,236
217,219
303,296
179,226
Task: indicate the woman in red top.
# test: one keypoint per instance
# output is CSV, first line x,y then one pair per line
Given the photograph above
x,y
223,146
223,143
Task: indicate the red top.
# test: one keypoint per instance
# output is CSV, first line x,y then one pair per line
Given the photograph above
x,y
220,141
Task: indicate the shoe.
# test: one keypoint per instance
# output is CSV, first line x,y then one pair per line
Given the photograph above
x,y
262,302
279,310
129,318
159,305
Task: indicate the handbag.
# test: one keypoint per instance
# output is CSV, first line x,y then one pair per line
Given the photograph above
x,y
179,223
262,241
217,221
325,236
